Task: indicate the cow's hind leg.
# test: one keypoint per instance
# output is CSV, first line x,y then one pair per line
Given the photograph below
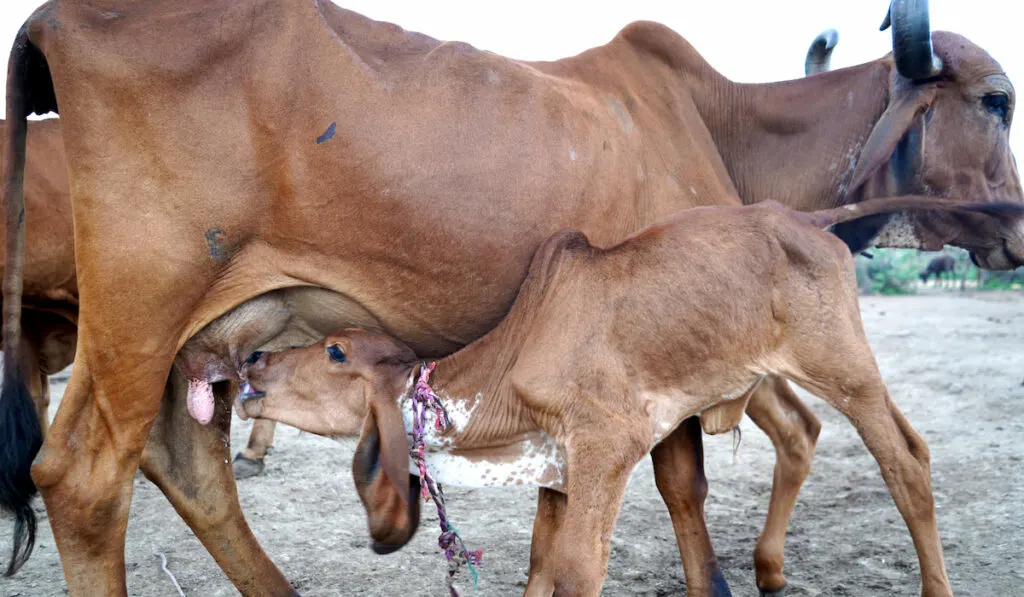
x,y
793,429
550,513
88,461
848,379
43,403
189,463
35,378
679,474
249,462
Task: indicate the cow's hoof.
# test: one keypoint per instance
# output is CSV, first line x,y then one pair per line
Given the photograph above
x,y
780,593
247,467
719,588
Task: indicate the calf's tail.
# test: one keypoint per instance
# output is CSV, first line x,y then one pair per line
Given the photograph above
x,y
827,218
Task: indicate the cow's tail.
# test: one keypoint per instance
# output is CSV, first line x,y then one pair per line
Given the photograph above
x,y
20,434
827,218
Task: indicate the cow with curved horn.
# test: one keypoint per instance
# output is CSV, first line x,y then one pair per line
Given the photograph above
x,y
411,187
819,55
912,40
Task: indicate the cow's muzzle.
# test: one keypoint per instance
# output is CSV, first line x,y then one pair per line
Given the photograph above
x,y
999,258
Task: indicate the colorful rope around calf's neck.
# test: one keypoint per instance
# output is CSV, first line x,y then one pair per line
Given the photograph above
x,y
423,399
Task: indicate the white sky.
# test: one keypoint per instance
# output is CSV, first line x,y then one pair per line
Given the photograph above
x,y
746,40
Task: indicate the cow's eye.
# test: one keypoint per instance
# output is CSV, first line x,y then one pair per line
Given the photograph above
x,y
253,358
998,104
336,353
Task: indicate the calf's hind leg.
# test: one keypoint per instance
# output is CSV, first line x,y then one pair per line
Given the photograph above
x,y
848,379
793,429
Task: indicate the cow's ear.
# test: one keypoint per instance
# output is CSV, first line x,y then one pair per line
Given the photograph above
x,y
897,120
380,469
898,137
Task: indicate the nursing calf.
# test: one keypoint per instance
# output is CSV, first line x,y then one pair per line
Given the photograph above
x,y
604,353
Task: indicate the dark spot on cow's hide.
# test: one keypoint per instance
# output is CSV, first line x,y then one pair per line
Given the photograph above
x,y
328,134
219,246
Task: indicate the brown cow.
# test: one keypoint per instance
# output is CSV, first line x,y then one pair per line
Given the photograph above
x,y
250,462
213,162
604,353
50,299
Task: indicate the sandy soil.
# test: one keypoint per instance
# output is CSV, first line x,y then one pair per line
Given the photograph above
x,y
954,364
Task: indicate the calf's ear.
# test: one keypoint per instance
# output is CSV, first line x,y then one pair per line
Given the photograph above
x,y
380,469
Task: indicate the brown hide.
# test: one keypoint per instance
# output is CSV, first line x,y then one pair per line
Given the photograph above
x,y
294,143
50,299
607,350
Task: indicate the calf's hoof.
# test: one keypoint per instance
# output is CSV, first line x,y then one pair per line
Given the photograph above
x,y
780,593
719,588
247,467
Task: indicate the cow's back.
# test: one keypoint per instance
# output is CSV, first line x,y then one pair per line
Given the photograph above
x,y
303,143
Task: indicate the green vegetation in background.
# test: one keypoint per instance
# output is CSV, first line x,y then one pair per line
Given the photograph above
x,y
896,271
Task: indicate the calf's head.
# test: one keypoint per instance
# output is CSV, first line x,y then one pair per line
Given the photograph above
x,y
348,384
945,132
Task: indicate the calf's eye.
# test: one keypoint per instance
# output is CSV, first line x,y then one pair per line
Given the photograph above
x,y
336,353
253,358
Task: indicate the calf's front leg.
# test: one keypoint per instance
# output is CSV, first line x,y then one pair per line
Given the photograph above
x,y
599,461
249,462
550,513
679,474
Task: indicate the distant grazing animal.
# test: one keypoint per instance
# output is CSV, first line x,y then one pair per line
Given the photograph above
x,y
604,353
943,264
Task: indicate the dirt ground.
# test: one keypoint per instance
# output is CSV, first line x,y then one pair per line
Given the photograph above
x,y
954,365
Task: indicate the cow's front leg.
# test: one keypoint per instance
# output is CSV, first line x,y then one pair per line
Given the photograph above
x,y
189,463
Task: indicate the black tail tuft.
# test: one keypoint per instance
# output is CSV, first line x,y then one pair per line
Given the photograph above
x,y
858,234
20,440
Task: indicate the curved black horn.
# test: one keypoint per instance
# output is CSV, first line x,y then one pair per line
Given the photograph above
x,y
820,53
912,39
